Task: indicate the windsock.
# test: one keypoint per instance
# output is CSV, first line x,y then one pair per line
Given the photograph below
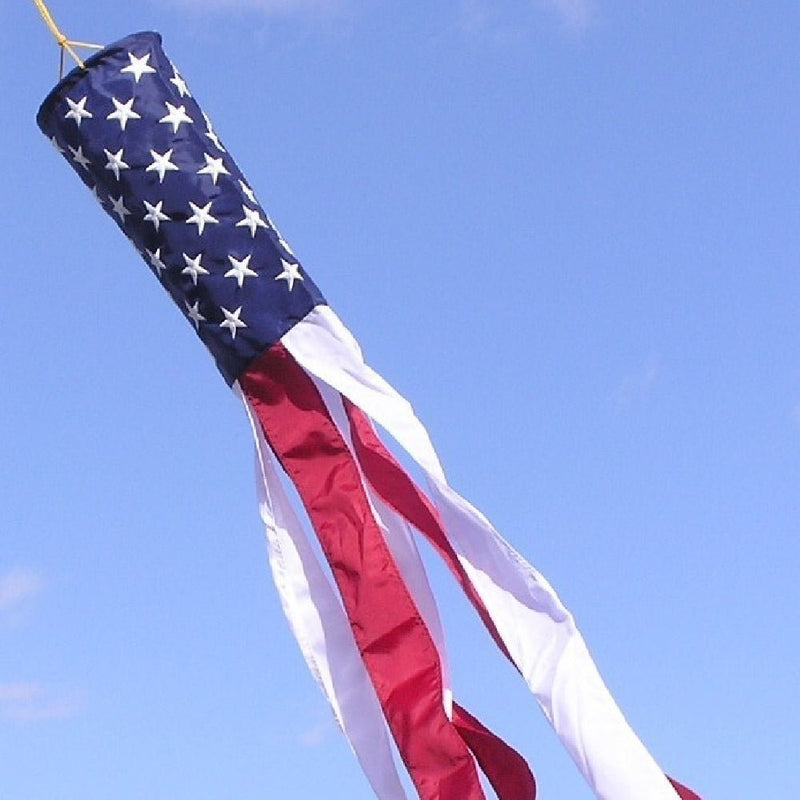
x,y
367,623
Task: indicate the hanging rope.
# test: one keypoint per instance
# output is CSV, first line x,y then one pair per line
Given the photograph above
x,y
64,43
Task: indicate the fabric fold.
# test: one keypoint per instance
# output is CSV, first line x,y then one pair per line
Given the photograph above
x,y
536,629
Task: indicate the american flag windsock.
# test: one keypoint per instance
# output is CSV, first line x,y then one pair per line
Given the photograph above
x,y
129,126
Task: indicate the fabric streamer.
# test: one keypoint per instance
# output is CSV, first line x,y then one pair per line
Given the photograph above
x,y
366,619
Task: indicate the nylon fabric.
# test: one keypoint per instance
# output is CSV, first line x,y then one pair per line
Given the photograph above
x,y
396,648
399,538
395,487
537,629
321,628
506,769
325,349
684,792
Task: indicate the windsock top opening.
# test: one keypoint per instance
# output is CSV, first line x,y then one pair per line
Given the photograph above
x,y
74,76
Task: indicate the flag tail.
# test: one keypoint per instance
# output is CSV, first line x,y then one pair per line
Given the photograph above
x,y
395,645
320,626
535,629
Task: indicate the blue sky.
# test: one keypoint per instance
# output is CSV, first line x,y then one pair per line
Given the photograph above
x,y
567,230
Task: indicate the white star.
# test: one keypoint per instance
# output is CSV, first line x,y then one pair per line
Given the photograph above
x,y
77,111
211,135
124,112
162,164
283,243
240,269
54,142
252,219
96,196
77,155
201,216
194,314
213,167
138,66
215,141
290,274
193,267
155,214
178,82
155,260
118,208
249,192
176,116
231,321
115,162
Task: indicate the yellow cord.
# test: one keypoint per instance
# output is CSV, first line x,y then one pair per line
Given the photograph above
x,y
63,42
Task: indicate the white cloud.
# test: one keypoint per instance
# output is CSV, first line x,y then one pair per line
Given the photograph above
x,y
33,702
18,587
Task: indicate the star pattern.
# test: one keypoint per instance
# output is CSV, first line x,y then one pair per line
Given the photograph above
x,y
214,167
176,117
212,135
249,193
201,216
155,214
155,260
162,164
281,241
252,220
138,66
232,321
115,162
193,267
77,111
179,83
194,314
215,141
290,274
123,112
78,157
118,208
240,269
154,162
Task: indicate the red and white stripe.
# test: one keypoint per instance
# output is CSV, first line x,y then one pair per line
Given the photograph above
x,y
311,400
